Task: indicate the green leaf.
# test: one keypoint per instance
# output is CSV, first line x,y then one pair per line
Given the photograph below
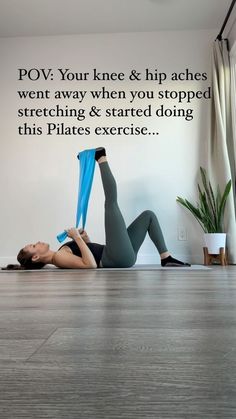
x,y
208,191
194,210
223,203
210,209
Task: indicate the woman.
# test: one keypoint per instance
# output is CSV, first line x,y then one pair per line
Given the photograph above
x,y
122,244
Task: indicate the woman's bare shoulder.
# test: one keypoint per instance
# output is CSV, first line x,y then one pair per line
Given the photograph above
x,y
66,259
60,254
65,249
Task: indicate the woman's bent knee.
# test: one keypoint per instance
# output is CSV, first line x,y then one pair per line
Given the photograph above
x,y
148,214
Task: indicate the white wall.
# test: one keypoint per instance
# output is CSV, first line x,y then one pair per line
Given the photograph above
x,y
38,179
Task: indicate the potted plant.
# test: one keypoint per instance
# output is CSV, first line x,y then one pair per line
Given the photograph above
x,y
209,212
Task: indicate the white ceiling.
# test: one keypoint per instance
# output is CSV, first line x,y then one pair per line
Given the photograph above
x,y
64,17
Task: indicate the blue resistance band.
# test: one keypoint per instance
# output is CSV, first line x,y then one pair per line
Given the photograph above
x,y
87,166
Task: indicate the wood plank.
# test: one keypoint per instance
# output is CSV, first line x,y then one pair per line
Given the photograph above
x,y
115,345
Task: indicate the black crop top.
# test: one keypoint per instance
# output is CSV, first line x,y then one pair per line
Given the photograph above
x,y
95,248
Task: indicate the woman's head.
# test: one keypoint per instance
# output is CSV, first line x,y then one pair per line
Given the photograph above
x,y
31,256
26,261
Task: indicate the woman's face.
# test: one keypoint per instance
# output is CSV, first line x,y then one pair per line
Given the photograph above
x,y
38,248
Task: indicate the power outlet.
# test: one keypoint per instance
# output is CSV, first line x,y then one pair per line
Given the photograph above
x,y
182,234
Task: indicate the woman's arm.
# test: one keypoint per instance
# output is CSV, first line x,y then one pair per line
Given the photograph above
x,y
65,259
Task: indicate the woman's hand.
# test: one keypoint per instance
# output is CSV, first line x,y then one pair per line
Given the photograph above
x,y
85,261
73,233
84,235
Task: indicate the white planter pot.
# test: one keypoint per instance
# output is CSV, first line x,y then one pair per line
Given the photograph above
x,y
214,241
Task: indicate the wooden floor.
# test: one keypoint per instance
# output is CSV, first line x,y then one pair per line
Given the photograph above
x,y
112,345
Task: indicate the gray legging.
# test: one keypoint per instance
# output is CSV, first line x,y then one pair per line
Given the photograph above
x,y
122,244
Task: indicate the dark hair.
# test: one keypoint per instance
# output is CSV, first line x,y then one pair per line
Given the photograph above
x,y
25,260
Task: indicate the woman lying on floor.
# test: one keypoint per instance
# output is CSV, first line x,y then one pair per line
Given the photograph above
x,y
122,244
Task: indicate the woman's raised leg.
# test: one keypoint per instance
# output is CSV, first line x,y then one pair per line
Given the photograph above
x,y
118,251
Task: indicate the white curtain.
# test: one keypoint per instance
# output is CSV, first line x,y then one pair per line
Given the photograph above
x,y
222,150
233,92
